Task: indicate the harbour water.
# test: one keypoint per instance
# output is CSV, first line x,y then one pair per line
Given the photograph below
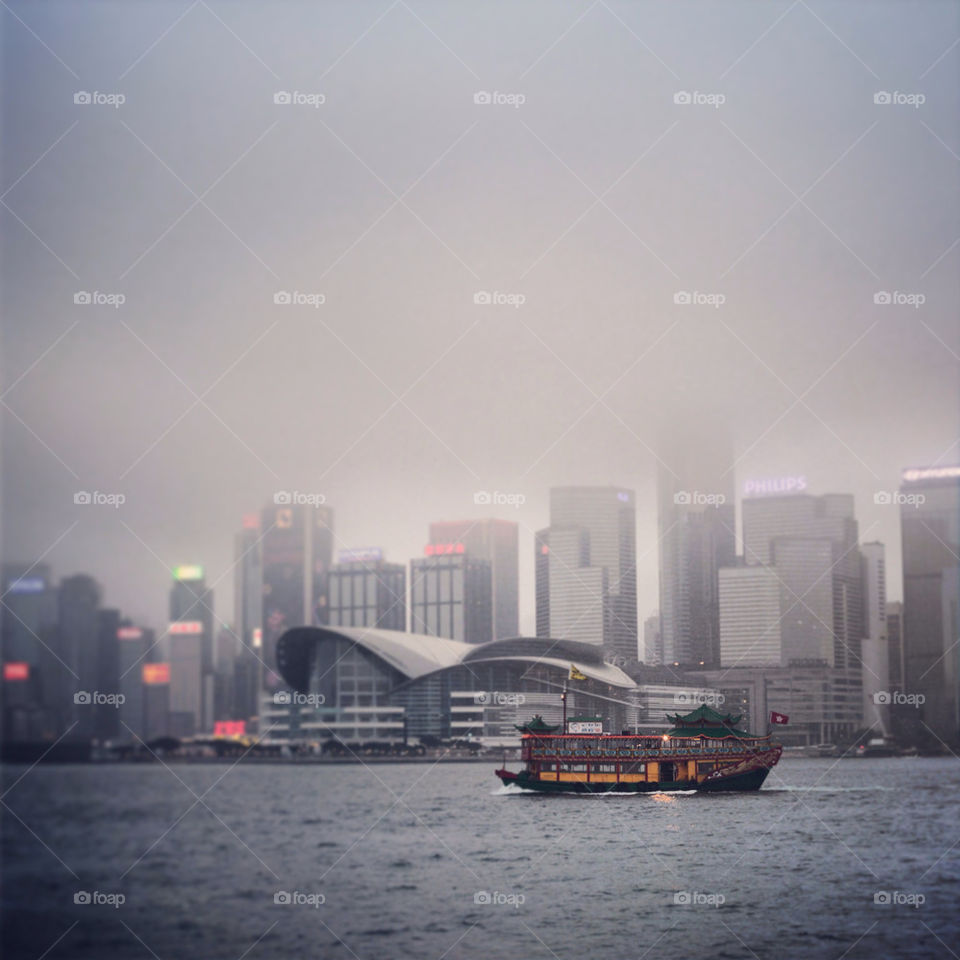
x,y
840,859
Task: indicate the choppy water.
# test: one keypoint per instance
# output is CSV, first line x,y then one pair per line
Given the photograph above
x,y
403,855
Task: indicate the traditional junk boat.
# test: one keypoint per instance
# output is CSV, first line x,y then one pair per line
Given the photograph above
x,y
703,751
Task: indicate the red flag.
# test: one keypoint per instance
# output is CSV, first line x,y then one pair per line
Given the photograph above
x,y
779,717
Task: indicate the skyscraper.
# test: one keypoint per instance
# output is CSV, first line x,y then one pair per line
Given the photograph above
x,y
190,640
591,568
750,616
297,551
450,596
874,652
652,640
495,541
78,635
696,529
541,568
930,531
366,591
811,543
132,645
248,615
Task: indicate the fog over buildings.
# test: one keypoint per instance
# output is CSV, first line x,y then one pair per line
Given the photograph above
x,y
590,213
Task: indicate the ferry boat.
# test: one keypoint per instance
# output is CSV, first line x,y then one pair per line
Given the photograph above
x,y
704,751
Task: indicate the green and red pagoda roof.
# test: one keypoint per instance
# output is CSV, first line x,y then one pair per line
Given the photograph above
x,y
705,722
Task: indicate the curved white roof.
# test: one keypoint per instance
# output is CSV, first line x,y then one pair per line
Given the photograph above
x,y
604,672
413,654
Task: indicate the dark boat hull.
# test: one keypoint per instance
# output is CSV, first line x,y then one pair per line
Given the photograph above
x,y
743,782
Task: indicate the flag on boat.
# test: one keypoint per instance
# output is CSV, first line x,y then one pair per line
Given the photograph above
x,y
779,717
575,674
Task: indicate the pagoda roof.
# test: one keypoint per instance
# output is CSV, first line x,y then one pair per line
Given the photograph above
x,y
705,722
536,725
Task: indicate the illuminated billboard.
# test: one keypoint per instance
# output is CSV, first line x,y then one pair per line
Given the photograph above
x,y
27,585
440,549
16,671
930,473
188,571
129,633
156,673
230,728
360,555
774,486
185,627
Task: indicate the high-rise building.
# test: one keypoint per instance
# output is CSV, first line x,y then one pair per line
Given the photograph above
x,y
652,640
495,541
895,669
697,536
930,531
28,640
78,642
592,568
247,615
450,596
366,591
133,644
811,543
541,567
156,700
297,552
874,652
191,643
750,617
106,723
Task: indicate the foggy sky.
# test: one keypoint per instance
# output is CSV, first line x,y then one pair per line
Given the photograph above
x,y
797,199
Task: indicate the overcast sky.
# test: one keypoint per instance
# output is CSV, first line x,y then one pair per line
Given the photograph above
x,y
782,194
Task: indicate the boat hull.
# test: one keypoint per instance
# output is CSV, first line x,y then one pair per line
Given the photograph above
x,y
742,782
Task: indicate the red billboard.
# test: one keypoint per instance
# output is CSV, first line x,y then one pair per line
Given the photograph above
x,y
230,728
186,626
16,670
156,673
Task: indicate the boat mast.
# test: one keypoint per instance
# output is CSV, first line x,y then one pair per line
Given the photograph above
x,y
563,699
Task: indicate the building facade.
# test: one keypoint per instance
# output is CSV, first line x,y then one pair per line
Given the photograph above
x,y
451,596
366,591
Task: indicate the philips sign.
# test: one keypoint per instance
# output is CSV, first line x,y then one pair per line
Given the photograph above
x,y
774,486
